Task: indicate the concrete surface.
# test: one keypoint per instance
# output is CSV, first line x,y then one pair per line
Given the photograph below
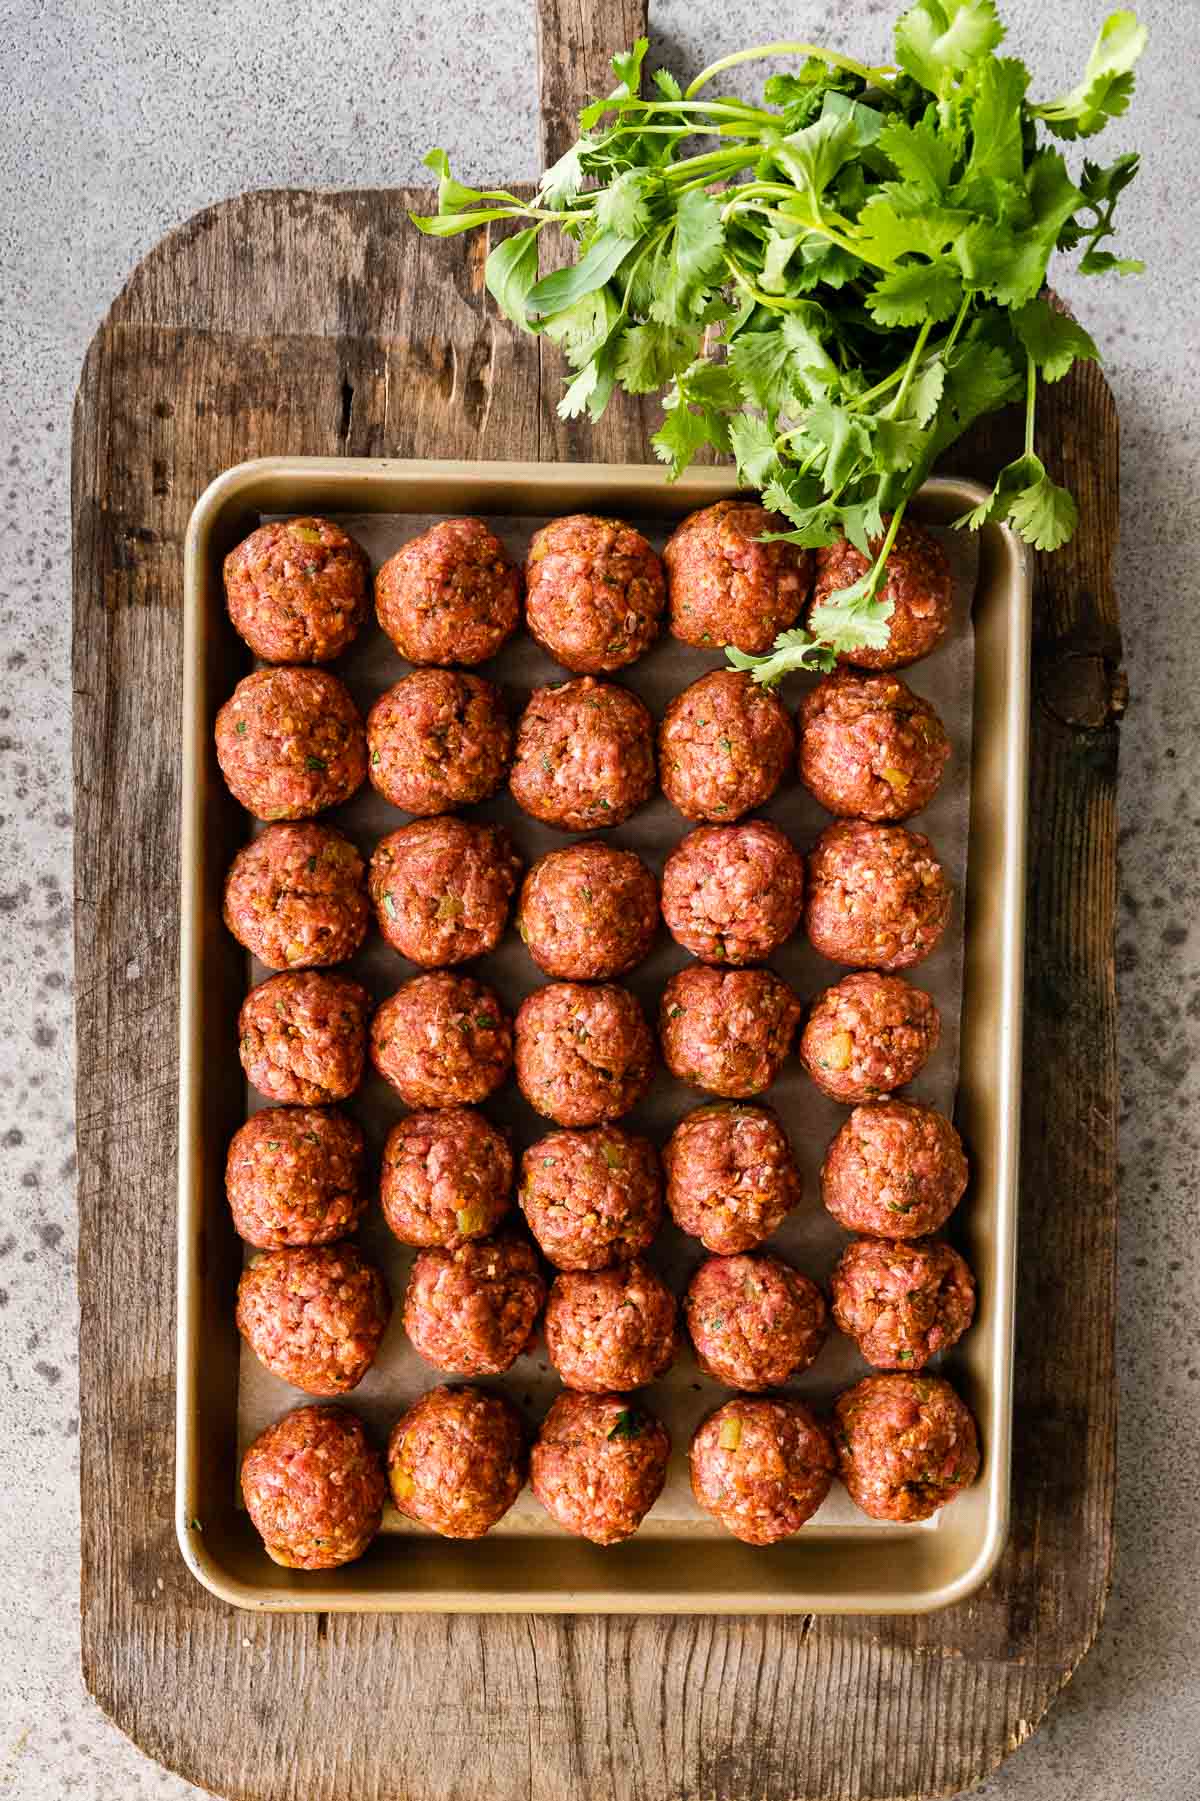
x,y
121,119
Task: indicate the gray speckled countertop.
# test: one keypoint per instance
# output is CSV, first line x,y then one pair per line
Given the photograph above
x,y
123,118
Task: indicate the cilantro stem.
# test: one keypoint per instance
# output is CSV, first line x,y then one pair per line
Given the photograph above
x,y
742,108
877,77
1030,402
910,370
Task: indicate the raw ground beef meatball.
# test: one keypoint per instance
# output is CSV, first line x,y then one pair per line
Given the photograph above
x,y
762,1468
727,1030
869,747
724,746
589,912
302,1037
442,1040
906,1445
294,1176
599,1464
295,897
314,1487
595,592
733,893
449,596
725,586
584,1054
895,1169
902,1303
472,1311
297,590
447,1177
591,1199
314,1317
869,1034
456,1460
918,585
755,1322
731,1177
290,743
438,740
584,755
877,896
442,889
612,1329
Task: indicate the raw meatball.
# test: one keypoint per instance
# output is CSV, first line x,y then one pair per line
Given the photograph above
x,y
314,1487
877,896
447,1177
295,897
598,1466
591,1199
302,1037
595,592
733,893
294,1176
870,1034
918,585
290,743
314,1317
442,889
731,1177
297,590
896,1169
456,1460
762,1467
472,1311
613,1329
438,740
902,1303
906,1445
584,1054
449,596
589,912
726,586
584,756
869,747
727,1031
755,1322
442,1040
723,747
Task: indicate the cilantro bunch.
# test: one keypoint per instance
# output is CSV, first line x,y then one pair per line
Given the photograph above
x,y
829,284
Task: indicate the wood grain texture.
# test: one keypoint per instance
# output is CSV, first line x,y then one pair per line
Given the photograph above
x,y
321,323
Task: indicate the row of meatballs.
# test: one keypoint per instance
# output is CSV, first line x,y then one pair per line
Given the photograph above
x,y
291,743
593,1200
297,897
457,1459
595,590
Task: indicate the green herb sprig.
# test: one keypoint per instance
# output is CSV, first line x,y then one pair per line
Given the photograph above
x,y
831,284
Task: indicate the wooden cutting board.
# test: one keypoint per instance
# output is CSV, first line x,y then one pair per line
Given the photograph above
x,y
323,323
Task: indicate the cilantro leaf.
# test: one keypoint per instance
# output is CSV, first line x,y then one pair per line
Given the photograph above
x,y
667,85
1107,85
510,271
813,156
627,67
579,330
651,355
753,444
1052,339
596,267
624,206
792,651
563,179
922,156
1045,515
937,40
997,147
917,292
926,391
